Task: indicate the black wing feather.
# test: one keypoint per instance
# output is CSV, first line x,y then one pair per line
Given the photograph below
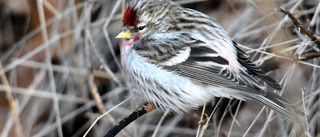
x,y
252,68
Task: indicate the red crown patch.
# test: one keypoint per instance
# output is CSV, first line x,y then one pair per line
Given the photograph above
x,y
130,17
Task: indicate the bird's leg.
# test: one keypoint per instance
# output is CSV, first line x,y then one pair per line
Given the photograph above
x,y
212,111
127,120
204,119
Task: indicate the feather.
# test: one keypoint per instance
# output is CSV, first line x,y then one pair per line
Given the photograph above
x,y
130,17
252,68
280,105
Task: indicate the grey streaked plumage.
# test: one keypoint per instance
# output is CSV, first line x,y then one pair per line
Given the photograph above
x,y
181,59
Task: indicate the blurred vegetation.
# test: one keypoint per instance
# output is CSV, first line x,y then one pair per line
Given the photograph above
x,y
60,69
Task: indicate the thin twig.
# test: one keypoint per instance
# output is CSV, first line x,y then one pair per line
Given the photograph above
x,y
314,19
93,87
106,114
71,115
276,55
201,118
204,128
35,31
299,25
106,34
223,115
35,51
305,114
49,65
42,94
268,40
52,9
310,54
169,128
253,122
102,61
69,70
234,118
97,98
13,108
83,128
159,123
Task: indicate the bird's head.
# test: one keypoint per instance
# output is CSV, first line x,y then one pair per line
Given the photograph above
x,y
135,25
145,17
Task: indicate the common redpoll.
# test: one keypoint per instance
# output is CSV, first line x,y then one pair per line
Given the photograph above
x,y
180,59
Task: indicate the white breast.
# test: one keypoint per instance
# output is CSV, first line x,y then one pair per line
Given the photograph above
x,y
165,89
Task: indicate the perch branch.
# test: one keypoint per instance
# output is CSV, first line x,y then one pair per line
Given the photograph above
x,y
127,120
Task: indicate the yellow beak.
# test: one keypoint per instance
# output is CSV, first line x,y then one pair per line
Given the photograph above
x,y
124,35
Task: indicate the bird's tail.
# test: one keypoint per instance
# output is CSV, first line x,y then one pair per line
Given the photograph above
x,y
280,105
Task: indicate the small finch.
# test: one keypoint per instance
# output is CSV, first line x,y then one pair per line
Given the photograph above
x,y
181,59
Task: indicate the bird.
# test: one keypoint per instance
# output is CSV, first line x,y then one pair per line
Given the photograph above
x,y
180,59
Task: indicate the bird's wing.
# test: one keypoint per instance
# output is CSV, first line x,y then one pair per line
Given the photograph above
x,y
243,59
193,59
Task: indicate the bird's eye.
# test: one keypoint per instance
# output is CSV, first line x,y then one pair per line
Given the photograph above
x,y
142,27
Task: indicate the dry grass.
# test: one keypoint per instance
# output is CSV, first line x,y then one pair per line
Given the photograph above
x,y
62,71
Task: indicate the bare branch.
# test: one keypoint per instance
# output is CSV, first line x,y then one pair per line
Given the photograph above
x,y
299,25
